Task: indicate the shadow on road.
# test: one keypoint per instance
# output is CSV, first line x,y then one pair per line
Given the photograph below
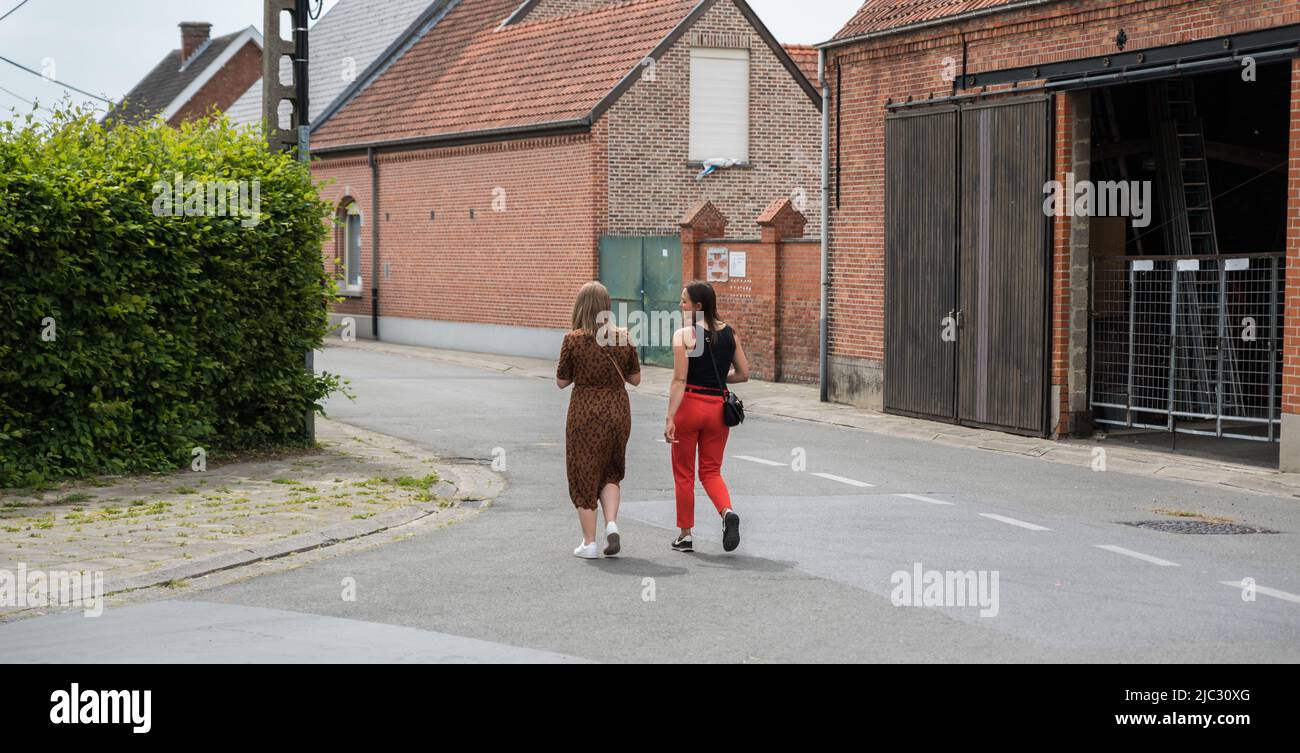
x,y
637,566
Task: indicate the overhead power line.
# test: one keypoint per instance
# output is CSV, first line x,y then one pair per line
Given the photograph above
x,y
16,7
20,66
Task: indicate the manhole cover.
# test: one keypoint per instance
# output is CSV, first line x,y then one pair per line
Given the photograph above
x,y
1198,527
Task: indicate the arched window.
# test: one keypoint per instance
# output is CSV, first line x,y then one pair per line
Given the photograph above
x,y
352,248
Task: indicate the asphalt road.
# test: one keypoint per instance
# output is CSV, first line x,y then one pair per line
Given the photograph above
x,y
812,581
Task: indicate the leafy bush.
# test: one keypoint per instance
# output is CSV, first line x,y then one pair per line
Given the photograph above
x,y
130,335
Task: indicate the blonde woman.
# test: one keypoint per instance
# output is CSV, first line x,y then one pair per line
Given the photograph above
x,y
597,359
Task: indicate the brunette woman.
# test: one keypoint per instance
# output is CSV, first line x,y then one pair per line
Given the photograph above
x,y
707,356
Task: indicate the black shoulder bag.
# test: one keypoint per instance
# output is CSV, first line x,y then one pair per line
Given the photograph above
x,y
733,408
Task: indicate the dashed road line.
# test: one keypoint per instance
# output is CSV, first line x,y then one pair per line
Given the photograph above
x,y
842,480
1136,555
1014,522
762,461
1276,594
920,498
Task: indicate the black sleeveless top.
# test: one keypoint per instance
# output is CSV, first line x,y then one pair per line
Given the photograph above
x,y
721,345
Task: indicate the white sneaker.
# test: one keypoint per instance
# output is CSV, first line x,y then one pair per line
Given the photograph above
x,y
612,541
587,551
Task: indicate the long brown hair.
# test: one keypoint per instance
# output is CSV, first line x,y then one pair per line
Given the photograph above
x,y
701,293
592,300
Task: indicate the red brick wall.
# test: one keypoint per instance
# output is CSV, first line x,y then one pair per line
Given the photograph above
x,y
651,182
1291,335
225,87
347,178
913,65
774,308
519,266
798,295
749,304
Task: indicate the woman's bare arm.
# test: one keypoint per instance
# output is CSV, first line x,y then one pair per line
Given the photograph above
x,y
677,391
740,366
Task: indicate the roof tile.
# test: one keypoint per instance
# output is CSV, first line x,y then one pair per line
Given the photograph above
x,y
881,15
469,75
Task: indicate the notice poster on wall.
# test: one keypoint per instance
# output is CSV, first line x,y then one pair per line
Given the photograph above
x,y
718,266
737,266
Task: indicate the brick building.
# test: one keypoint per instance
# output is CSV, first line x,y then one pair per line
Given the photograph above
x,y
1056,217
507,153
203,74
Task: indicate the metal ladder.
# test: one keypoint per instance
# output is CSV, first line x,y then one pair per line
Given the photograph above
x,y
1193,170
1179,143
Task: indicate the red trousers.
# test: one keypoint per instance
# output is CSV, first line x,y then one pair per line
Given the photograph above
x,y
699,430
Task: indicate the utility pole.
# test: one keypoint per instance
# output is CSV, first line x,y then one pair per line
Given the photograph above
x,y
275,48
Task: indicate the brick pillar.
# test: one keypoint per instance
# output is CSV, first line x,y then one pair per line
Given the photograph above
x,y
701,222
1070,272
779,221
1289,457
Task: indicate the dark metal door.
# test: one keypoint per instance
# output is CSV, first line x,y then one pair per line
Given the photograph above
x,y
1004,265
661,281
920,267
644,277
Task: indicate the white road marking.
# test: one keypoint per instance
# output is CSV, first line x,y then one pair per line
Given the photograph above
x,y
842,480
1276,594
1013,521
753,459
919,498
1136,555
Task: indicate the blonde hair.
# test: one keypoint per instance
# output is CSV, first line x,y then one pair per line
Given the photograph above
x,y
592,300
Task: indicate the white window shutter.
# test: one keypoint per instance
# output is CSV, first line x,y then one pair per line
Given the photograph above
x,y
352,262
719,104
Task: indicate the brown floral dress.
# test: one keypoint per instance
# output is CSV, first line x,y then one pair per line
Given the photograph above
x,y
600,415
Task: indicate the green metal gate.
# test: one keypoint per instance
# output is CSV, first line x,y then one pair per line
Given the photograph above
x,y
644,277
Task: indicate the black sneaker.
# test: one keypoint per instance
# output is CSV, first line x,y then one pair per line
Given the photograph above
x,y
684,544
730,531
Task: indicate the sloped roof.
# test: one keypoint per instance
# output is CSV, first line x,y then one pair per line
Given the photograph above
x,y
805,56
881,15
471,74
168,80
355,29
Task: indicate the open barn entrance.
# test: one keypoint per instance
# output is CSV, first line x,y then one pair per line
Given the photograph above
x,y
1187,290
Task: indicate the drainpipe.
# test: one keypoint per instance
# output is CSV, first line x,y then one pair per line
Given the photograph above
x,y
826,220
374,242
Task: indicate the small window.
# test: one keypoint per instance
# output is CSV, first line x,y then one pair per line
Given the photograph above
x,y
719,105
352,252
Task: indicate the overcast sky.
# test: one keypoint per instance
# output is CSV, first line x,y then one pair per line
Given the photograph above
x,y
106,46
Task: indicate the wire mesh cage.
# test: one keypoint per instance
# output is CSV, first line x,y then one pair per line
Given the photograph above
x,y
1188,343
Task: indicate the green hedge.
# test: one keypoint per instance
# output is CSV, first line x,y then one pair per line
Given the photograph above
x,y
169,332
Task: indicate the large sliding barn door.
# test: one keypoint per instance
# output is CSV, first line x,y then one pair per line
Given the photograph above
x,y
1004,265
967,263
920,274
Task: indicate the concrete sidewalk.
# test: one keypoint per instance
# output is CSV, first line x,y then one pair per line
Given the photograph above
x,y
802,402
164,529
